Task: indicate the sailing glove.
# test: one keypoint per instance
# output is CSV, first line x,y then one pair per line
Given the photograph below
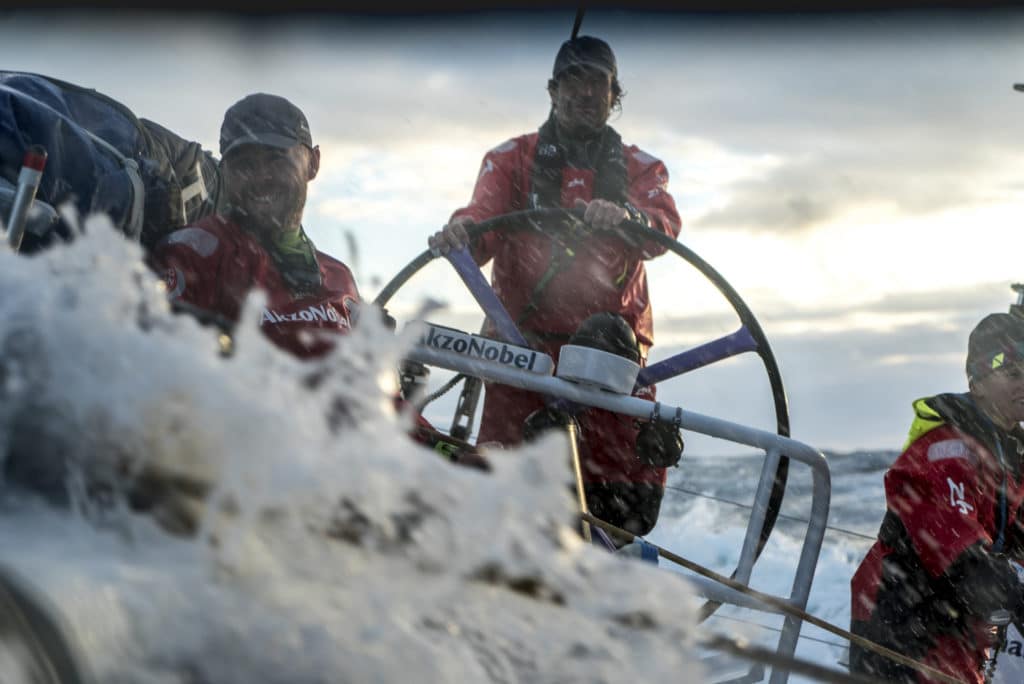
x,y
986,583
659,444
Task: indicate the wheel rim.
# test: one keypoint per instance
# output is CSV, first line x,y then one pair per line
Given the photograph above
x,y
532,218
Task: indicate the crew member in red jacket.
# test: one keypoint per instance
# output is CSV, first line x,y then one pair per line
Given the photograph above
x,y
551,286
933,586
267,160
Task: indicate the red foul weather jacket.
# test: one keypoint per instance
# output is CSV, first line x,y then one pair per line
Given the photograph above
x,y
605,274
213,265
957,484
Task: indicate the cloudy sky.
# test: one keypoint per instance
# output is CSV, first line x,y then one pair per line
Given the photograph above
x,y
856,177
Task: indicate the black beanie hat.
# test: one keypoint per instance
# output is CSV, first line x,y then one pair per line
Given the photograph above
x,y
585,51
996,341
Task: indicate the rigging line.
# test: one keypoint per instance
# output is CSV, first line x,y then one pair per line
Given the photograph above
x,y
779,604
770,628
759,654
869,537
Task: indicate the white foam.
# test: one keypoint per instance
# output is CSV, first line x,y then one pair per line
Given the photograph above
x,y
334,550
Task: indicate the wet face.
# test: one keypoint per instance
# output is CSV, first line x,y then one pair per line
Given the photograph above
x,y
582,100
1002,392
266,186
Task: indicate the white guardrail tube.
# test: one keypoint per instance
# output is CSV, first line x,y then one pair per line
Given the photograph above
x,y
758,513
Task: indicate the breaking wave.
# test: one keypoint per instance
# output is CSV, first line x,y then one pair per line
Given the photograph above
x,y
287,530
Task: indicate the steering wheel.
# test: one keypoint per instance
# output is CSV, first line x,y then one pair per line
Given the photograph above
x,y
749,338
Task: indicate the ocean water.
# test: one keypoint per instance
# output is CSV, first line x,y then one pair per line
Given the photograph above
x,y
857,507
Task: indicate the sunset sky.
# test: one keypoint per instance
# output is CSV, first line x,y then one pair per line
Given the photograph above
x,y
856,177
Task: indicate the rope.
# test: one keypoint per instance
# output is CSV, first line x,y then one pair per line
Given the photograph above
x,y
760,654
782,606
770,628
792,518
990,671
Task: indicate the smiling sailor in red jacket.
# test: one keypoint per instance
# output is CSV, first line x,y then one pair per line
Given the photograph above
x,y
267,161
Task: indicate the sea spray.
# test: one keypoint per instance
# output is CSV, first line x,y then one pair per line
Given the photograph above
x,y
329,547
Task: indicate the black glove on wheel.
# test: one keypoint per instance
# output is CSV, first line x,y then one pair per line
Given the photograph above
x,y
659,444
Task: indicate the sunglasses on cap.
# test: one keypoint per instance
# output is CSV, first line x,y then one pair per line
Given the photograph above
x,y
1010,357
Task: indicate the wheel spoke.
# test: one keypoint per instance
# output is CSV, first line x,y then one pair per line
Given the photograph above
x,y
484,295
704,355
